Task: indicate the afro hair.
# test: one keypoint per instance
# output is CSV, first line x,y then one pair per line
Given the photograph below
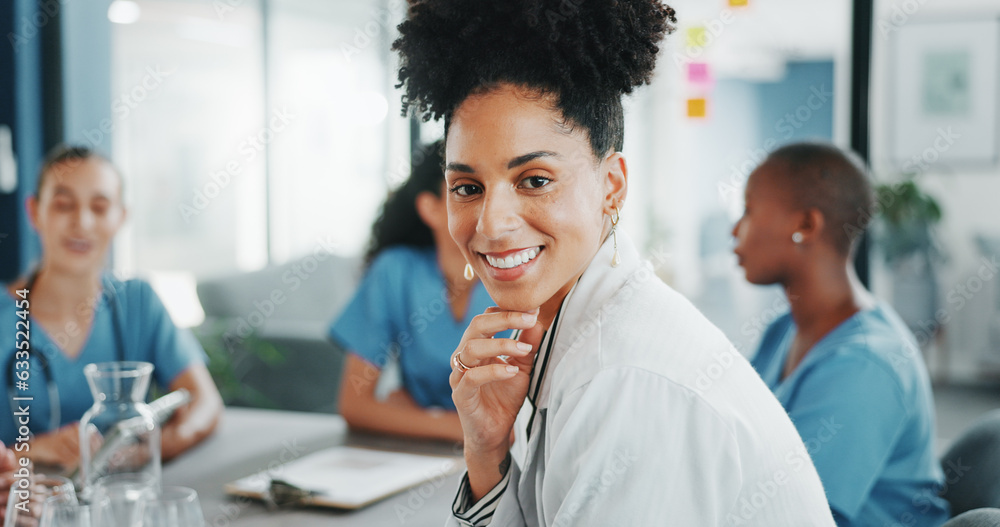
x,y
588,54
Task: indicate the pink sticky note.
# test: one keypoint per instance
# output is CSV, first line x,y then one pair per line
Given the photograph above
x,y
698,73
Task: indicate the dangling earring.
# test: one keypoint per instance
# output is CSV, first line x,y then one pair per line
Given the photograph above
x,y
616,260
469,274
797,237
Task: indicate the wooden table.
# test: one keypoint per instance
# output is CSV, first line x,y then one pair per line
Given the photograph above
x,y
249,441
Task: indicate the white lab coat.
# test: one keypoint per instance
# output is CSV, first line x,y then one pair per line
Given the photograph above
x,y
648,416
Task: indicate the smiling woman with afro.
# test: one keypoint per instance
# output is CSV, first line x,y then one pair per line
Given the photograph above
x,y
613,401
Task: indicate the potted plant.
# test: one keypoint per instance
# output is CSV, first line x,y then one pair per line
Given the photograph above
x,y
228,360
904,234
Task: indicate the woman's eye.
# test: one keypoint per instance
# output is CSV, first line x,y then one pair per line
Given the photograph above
x,y
63,205
536,181
465,190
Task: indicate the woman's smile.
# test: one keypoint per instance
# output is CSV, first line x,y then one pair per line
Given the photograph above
x,y
78,245
513,264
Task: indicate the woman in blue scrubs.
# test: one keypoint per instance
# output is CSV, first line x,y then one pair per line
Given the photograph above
x,y
79,315
412,306
842,363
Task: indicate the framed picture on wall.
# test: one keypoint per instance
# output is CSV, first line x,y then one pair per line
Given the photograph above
x,y
945,95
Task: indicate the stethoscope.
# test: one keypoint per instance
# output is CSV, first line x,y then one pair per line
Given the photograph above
x,y
54,406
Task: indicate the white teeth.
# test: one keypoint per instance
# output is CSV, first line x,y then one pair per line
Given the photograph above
x,y
513,260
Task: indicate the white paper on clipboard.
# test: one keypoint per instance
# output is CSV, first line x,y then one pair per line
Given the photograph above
x,y
350,477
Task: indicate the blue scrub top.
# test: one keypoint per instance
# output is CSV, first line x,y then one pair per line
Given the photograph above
x,y
861,400
401,309
148,335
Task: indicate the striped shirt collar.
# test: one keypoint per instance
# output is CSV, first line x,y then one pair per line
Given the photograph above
x,y
541,361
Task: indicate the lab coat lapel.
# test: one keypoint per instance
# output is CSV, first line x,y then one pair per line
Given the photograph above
x,y
532,473
585,310
581,314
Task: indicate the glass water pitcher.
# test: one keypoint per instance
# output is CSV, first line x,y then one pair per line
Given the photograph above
x,y
119,434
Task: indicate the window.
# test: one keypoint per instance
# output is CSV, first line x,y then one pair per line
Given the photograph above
x,y
250,137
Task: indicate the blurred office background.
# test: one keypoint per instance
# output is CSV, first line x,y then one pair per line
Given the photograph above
x,y
257,139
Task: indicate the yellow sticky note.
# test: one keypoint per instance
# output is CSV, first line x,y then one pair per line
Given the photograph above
x,y
697,108
738,3
696,37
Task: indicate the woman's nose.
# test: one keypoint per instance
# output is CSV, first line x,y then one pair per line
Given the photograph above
x,y
84,218
498,215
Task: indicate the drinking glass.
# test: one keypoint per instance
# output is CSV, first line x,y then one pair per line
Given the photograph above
x,y
118,499
23,507
173,507
60,513
28,497
56,489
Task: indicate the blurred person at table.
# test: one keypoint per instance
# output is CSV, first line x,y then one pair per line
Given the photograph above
x,y
80,314
841,362
412,306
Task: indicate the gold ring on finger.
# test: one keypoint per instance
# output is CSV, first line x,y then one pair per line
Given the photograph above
x,y
459,365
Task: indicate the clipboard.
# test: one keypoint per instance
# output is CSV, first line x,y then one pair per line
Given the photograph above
x,y
347,477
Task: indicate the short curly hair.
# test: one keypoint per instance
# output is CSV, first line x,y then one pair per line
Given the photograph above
x,y
833,181
587,53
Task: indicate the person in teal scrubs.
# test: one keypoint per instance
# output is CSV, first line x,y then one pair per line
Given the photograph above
x,y
412,306
78,314
843,364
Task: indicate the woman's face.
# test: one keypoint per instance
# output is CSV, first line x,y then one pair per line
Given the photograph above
x,y
77,213
764,245
527,200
